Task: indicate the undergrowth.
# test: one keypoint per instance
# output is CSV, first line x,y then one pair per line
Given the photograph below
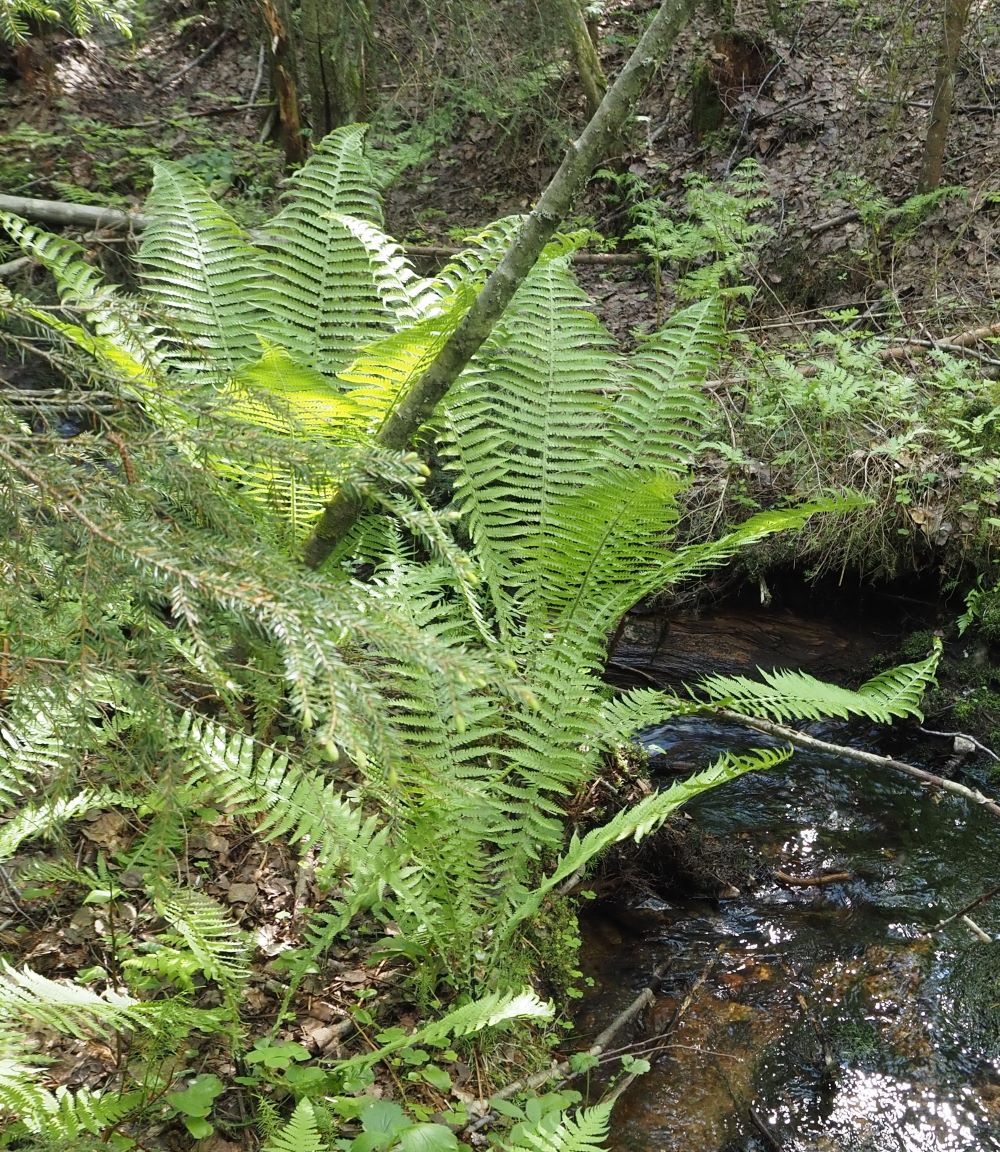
x,y
405,733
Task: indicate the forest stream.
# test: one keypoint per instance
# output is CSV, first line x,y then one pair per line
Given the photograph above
x,y
821,1017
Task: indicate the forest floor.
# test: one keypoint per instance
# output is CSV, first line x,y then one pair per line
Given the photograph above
x,y
833,109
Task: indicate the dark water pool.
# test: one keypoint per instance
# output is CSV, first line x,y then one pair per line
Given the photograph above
x,y
827,1019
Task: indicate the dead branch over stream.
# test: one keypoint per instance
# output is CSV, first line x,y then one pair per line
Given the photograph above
x,y
802,740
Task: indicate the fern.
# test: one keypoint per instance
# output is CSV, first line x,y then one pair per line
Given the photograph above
x,y
71,1008
784,696
488,1011
561,1132
216,943
200,271
21,1094
636,822
300,1134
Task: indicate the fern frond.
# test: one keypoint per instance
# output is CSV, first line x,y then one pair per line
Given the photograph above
x,y
636,822
900,690
288,799
319,278
48,816
405,296
695,560
659,416
525,419
602,546
68,1008
300,1134
214,939
82,1113
585,1131
488,1011
784,696
21,1094
484,251
382,372
202,274
279,394
114,318
625,715
337,177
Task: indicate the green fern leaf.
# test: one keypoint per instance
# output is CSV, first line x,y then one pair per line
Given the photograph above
x,y
46,817
488,1011
525,419
621,718
900,690
83,1112
68,1008
115,319
322,270
383,371
636,822
659,416
21,1094
203,276
785,696
300,1134
585,1131
695,560
215,941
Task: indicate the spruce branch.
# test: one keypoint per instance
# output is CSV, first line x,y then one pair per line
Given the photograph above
x,y
343,510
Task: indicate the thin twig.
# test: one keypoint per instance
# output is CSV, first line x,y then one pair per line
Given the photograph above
x,y
834,222
901,351
770,1139
800,739
983,937
257,80
811,881
224,110
564,1068
431,250
963,736
13,266
198,60
968,908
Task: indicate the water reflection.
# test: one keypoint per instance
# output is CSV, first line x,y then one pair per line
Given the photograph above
x,y
873,1112
831,1018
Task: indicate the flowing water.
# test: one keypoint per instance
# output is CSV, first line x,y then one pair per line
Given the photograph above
x,y
820,1018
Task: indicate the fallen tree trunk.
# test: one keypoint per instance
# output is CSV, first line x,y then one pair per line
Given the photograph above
x,y
582,156
72,215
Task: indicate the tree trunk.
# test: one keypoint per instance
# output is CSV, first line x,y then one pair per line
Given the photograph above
x,y
337,41
582,156
956,13
588,66
281,53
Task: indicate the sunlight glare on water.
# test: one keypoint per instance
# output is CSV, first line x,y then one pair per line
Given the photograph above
x,y
875,1111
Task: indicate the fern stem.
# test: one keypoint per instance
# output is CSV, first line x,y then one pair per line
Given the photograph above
x,y
581,158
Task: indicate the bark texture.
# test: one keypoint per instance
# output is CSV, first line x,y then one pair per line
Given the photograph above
x,y
584,51
337,44
581,158
281,53
956,14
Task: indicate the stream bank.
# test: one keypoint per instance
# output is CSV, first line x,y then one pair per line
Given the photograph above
x,y
813,1017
